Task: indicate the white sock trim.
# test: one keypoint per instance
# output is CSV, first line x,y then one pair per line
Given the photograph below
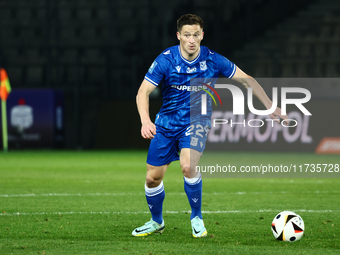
x,y
195,180
150,192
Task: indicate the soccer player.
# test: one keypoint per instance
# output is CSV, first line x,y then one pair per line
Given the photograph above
x,y
172,132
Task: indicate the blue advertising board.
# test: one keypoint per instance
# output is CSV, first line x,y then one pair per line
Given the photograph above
x,y
35,118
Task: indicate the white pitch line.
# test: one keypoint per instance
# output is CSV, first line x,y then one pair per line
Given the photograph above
x,y
93,194
166,212
71,194
167,193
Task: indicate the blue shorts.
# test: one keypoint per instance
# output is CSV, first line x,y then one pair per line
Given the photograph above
x,y
166,145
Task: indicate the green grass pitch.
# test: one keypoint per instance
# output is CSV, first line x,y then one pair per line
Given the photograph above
x,y
56,202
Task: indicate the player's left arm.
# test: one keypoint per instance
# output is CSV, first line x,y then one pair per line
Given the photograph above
x,y
249,82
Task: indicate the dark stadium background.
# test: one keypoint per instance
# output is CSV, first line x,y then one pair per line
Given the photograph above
x,y
97,52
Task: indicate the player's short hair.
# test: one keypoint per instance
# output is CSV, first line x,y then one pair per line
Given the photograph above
x,y
189,19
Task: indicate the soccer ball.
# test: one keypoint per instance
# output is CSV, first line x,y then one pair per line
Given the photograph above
x,y
288,226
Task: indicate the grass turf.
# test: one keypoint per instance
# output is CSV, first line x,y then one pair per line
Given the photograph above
x,y
89,203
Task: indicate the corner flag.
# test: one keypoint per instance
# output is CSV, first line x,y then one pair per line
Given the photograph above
x,y
5,89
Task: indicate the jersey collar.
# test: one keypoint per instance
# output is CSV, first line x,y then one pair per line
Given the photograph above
x,y
187,61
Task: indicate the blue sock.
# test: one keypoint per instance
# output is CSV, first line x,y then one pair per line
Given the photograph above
x,y
193,189
155,197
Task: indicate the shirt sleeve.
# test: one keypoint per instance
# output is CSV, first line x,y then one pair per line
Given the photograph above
x,y
225,66
155,73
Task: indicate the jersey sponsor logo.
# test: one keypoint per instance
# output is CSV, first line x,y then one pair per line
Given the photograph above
x,y
152,67
167,52
191,70
203,66
187,88
191,88
178,68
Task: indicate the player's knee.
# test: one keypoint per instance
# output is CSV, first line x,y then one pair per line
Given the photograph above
x,y
186,169
149,181
152,182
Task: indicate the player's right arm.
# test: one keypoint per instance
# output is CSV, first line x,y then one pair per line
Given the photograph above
x,y
142,99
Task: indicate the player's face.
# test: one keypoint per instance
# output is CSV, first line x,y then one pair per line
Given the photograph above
x,y
190,38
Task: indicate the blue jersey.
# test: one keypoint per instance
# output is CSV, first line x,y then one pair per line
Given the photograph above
x,y
176,72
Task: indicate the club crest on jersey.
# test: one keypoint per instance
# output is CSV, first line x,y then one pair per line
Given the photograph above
x,y
178,68
191,70
203,66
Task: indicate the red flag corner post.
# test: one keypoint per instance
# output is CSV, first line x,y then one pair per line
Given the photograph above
x,y
5,89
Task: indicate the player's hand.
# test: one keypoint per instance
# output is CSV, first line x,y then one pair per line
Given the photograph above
x,y
148,130
278,117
